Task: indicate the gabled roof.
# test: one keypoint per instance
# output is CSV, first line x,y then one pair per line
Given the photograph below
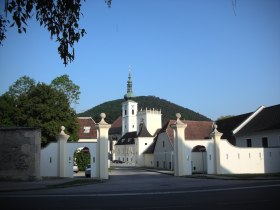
x,y
262,119
198,129
87,122
128,138
195,130
116,127
167,128
227,125
143,132
267,119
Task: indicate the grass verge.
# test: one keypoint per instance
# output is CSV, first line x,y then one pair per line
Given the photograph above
x,y
77,182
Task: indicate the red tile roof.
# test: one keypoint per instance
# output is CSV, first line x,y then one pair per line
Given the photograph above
x,y
116,127
195,130
87,122
198,129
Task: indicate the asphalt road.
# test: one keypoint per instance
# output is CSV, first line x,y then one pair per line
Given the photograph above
x,y
139,189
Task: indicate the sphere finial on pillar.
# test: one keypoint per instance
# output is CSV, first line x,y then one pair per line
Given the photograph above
x,y
62,128
103,116
102,121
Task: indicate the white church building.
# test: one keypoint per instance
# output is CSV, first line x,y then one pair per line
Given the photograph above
x,y
138,130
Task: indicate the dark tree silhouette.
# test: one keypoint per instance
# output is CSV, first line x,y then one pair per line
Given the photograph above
x,y
60,17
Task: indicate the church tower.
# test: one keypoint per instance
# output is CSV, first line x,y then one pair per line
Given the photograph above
x,y
129,109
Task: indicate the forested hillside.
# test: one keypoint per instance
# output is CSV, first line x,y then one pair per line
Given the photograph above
x,y
168,109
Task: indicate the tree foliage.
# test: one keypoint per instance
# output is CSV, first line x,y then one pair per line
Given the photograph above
x,y
21,86
41,106
60,17
82,160
225,117
66,86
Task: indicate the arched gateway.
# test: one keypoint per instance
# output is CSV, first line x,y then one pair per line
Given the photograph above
x,y
57,158
199,159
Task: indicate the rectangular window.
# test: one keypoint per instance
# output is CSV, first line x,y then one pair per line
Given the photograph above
x,y
157,164
86,129
132,111
124,112
264,142
249,142
163,144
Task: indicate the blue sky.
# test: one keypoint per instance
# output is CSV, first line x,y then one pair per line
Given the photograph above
x,y
195,53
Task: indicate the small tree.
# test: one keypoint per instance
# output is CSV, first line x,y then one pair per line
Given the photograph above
x,y
82,159
46,108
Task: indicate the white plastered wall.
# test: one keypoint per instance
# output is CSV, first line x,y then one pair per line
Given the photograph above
x,y
50,156
210,161
149,160
49,160
141,144
239,160
163,155
273,138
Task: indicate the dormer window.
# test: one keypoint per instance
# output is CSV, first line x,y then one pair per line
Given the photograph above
x,y
86,129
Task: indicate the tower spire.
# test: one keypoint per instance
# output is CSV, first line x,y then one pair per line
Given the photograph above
x,y
129,92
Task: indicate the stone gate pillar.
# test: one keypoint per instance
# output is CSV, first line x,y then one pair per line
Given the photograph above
x,y
102,148
216,135
61,140
179,146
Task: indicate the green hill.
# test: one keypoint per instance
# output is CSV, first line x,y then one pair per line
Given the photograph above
x,y
168,109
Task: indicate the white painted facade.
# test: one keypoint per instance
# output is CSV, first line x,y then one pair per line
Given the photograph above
x,y
248,160
141,144
151,118
132,153
125,153
149,160
256,139
163,152
129,116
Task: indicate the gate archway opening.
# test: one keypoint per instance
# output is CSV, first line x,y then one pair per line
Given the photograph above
x,y
199,160
81,158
